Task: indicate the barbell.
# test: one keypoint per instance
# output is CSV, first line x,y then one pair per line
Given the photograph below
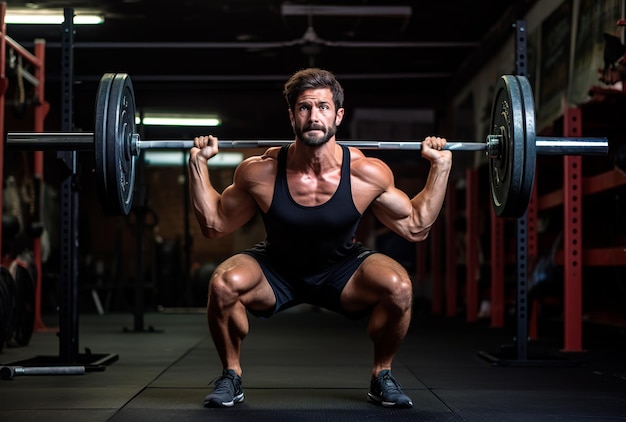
x,y
510,147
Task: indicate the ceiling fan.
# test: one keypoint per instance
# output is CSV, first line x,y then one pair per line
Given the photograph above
x,y
310,42
310,36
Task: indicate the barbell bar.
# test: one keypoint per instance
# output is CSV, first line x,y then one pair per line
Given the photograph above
x,y
10,372
84,141
510,147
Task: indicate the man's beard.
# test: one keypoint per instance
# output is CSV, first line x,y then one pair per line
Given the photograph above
x,y
309,139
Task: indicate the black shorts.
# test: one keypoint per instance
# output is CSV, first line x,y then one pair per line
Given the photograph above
x,y
322,289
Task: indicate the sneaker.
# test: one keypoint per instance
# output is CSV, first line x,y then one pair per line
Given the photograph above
x,y
386,391
227,391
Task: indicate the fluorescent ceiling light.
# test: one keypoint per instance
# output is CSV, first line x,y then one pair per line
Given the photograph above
x,y
178,120
49,18
179,158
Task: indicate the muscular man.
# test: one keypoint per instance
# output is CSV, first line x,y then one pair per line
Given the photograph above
x,y
311,195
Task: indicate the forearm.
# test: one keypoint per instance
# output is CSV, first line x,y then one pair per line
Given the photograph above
x,y
204,198
428,203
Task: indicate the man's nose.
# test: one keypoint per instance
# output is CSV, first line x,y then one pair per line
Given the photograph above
x,y
314,114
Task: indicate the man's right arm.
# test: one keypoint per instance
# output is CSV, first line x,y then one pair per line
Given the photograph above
x,y
218,214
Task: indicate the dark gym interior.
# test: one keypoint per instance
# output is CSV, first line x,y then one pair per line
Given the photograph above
x,y
103,317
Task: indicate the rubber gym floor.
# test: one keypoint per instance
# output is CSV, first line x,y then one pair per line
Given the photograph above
x,y
311,365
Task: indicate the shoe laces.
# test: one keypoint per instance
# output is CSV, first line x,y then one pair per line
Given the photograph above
x,y
224,382
391,384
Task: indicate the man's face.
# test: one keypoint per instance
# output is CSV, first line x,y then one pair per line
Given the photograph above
x,y
314,118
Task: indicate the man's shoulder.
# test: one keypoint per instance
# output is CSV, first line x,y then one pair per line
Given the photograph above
x,y
370,177
362,163
267,159
258,167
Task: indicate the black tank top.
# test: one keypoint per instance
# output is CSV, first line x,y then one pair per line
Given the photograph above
x,y
309,240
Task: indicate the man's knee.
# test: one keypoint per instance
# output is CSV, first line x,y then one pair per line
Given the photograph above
x,y
223,288
399,290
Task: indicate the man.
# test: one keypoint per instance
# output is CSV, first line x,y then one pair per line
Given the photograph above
x,y
311,195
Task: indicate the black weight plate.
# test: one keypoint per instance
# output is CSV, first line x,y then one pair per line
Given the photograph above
x,y
10,303
115,125
506,172
100,138
25,307
4,307
120,130
530,143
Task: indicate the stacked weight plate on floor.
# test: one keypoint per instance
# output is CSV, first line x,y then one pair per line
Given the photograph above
x,y
512,172
24,304
114,126
8,304
17,305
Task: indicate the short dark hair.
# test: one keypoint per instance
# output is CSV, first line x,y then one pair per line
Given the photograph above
x,y
312,78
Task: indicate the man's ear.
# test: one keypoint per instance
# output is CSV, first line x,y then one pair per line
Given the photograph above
x,y
339,116
291,119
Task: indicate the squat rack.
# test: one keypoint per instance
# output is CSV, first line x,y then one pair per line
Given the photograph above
x,y
69,360
68,282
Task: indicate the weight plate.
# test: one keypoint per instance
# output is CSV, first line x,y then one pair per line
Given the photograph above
x,y
100,138
530,143
115,124
4,306
9,304
508,171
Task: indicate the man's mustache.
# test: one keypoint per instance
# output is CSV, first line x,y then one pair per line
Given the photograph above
x,y
314,127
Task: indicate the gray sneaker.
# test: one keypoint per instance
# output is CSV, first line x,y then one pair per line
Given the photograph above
x,y
227,391
386,391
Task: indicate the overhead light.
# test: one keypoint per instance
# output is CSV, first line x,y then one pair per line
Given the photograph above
x,y
179,158
162,119
49,18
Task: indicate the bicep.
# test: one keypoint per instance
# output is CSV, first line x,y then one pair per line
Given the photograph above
x,y
396,210
390,205
237,206
389,202
393,208
220,214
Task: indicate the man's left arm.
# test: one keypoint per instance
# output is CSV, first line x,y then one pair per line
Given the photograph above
x,y
413,218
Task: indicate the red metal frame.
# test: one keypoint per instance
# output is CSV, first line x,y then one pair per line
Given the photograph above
x,y
590,185
471,244
41,111
572,237
435,257
599,257
451,252
497,257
